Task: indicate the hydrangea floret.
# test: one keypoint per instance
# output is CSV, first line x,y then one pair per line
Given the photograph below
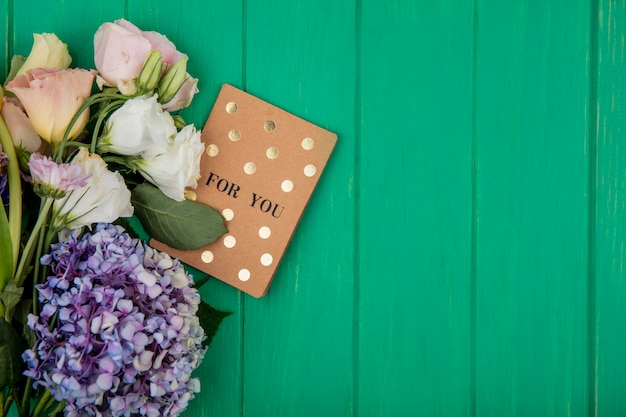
x,y
118,333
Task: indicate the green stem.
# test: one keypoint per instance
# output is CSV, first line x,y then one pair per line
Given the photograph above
x,y
44,402
77,144
94,99
46,204
28,389
5,403
58,408
14,400
103,113
15,192
127,161
40,270
37,279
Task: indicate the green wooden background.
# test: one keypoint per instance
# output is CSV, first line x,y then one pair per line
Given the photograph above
x,y
464,252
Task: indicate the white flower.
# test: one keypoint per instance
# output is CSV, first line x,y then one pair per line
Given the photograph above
x,y
140,127
178,167
103,199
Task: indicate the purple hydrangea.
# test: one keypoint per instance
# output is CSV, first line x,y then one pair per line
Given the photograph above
x,y
118,333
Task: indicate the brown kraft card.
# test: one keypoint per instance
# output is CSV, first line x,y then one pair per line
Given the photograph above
x,y
259,170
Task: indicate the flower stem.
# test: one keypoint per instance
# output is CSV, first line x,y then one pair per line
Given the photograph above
x,y
5,403
15,193
37,271
46,204
58,408
25,407
94,99
103,113
44,402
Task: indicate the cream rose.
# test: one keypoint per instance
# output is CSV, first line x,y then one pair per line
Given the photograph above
x,y
139,127
178,167
51,98
47,52
105,198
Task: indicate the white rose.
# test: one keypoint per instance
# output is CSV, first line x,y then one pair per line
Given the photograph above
x,y
104,199
178,167
140,127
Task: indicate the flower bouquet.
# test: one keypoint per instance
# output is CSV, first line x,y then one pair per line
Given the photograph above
x,y
93,321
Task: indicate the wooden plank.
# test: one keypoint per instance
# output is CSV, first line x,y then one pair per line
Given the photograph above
x,y
415,208
210,33
6,39
298,338
532,123
74,23
610,233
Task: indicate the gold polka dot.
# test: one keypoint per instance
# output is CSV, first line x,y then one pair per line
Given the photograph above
x,y
272,153
287,186
266,259
243,274
232,108
190,195
307,144
249,168
228,214
234,135
310,170
269,126
265,232
230,241
212,150
207,257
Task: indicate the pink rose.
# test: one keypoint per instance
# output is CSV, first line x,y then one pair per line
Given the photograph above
x,y
157,42
51,98
119,55
120,49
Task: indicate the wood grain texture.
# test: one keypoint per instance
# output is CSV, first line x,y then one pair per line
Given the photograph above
x,y
610,231
531,105
215,51
300,57
463,254
74,22
415,208
5,39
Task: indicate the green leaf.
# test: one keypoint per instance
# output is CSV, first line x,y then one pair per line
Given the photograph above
x,y
11,296
183,225
128,226
6,251
11,348
199,282
210,320
16,63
